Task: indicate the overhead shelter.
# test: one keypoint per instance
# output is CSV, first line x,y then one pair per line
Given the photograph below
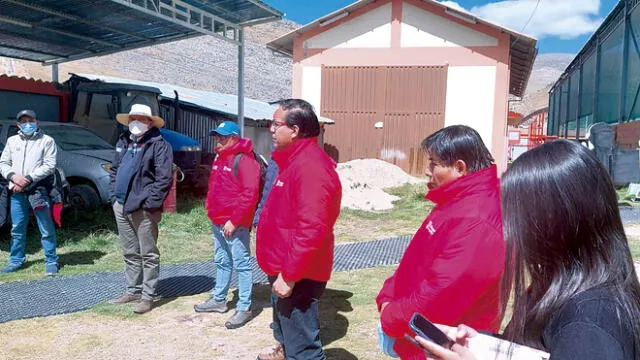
x,y
53,32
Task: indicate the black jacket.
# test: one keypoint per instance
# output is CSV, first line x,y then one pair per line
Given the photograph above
x,y
153,178
590,326
45,192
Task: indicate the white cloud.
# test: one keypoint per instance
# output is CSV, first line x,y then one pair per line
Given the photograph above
x,y
566,19
453,4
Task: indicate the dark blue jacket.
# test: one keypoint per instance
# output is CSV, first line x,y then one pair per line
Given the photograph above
x,y
153,178
269,179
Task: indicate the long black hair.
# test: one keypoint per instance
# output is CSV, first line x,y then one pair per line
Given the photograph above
x,y
564,236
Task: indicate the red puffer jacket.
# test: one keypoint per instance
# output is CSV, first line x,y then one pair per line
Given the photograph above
x,y
295,232
231,198
452,269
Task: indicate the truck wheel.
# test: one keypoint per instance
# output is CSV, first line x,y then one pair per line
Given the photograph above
x,y
84,198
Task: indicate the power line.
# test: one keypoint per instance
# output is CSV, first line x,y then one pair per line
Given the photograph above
x,y
531,17
518,36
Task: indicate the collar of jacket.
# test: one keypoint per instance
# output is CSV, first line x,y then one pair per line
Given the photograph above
x,y
476,182
33,136
150,136
244,145
284,157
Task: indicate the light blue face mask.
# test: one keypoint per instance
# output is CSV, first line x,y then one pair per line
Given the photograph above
x,y
28,128
386,343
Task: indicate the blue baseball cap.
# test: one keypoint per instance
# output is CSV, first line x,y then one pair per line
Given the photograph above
x,y
227,128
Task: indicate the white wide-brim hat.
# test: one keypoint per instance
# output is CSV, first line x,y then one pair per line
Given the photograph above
x,y
140,110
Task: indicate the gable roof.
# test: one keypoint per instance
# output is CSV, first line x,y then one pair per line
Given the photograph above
x,y
523,49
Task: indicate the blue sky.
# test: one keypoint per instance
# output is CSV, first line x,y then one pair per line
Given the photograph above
x,y
561,26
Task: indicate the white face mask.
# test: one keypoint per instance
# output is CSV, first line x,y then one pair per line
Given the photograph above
x,y
138,128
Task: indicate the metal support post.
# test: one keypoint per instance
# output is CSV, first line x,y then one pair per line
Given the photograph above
x,y
624,70
241,81
54,72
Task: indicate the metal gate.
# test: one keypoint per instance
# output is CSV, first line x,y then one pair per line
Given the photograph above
x,y
383,112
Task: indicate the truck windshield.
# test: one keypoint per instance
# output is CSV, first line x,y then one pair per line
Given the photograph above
x,y
72,138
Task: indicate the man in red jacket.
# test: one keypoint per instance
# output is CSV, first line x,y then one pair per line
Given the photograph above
x,y
295,232
452,269
231,202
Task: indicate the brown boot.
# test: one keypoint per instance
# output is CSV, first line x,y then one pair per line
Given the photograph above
x,y
126,298
276,354
143,306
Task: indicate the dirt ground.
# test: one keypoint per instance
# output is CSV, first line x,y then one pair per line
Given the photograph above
x,y
632,231
174,331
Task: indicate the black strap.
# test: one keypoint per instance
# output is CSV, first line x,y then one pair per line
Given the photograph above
x,y
236,164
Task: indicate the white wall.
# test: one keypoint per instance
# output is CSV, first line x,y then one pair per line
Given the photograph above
x,y
471,99
424,29
370,30
312,86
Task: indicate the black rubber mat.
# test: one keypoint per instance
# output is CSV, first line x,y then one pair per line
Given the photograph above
x,y
630,215
63,295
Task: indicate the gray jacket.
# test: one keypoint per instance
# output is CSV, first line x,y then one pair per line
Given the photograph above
x,y
33,156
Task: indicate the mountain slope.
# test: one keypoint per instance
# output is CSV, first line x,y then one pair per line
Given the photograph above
x,y
203,63
206,63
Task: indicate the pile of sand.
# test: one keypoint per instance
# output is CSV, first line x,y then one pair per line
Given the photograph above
x,y
363,182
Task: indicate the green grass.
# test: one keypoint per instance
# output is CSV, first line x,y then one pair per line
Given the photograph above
x,y
634,244
405,217
348,320
624,198
89,242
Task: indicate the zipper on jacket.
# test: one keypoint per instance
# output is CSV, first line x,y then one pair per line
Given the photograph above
x,y
24,158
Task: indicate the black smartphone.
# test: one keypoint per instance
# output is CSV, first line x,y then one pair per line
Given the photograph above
x,y
425,328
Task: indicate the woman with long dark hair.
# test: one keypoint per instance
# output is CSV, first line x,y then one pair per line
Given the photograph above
x,y
569,268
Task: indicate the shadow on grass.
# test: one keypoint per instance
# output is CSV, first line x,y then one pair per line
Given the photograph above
x,y
175,286
80,257
188,201
259,299
339,354
81,223
334,325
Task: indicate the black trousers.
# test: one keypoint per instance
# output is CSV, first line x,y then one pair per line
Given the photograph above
x,y
296,323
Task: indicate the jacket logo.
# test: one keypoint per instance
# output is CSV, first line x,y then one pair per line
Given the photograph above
x,y
430,228
215,167
119,149
279,183
225,168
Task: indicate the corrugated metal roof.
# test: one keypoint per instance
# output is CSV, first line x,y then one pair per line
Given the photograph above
x,y
523,47
207,100
64,30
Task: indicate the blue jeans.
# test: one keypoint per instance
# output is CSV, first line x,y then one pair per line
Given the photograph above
x,y
296,321
229,253
20,209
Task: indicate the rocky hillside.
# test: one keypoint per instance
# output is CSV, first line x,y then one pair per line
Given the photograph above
x,y
203,63
206,63
546,70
